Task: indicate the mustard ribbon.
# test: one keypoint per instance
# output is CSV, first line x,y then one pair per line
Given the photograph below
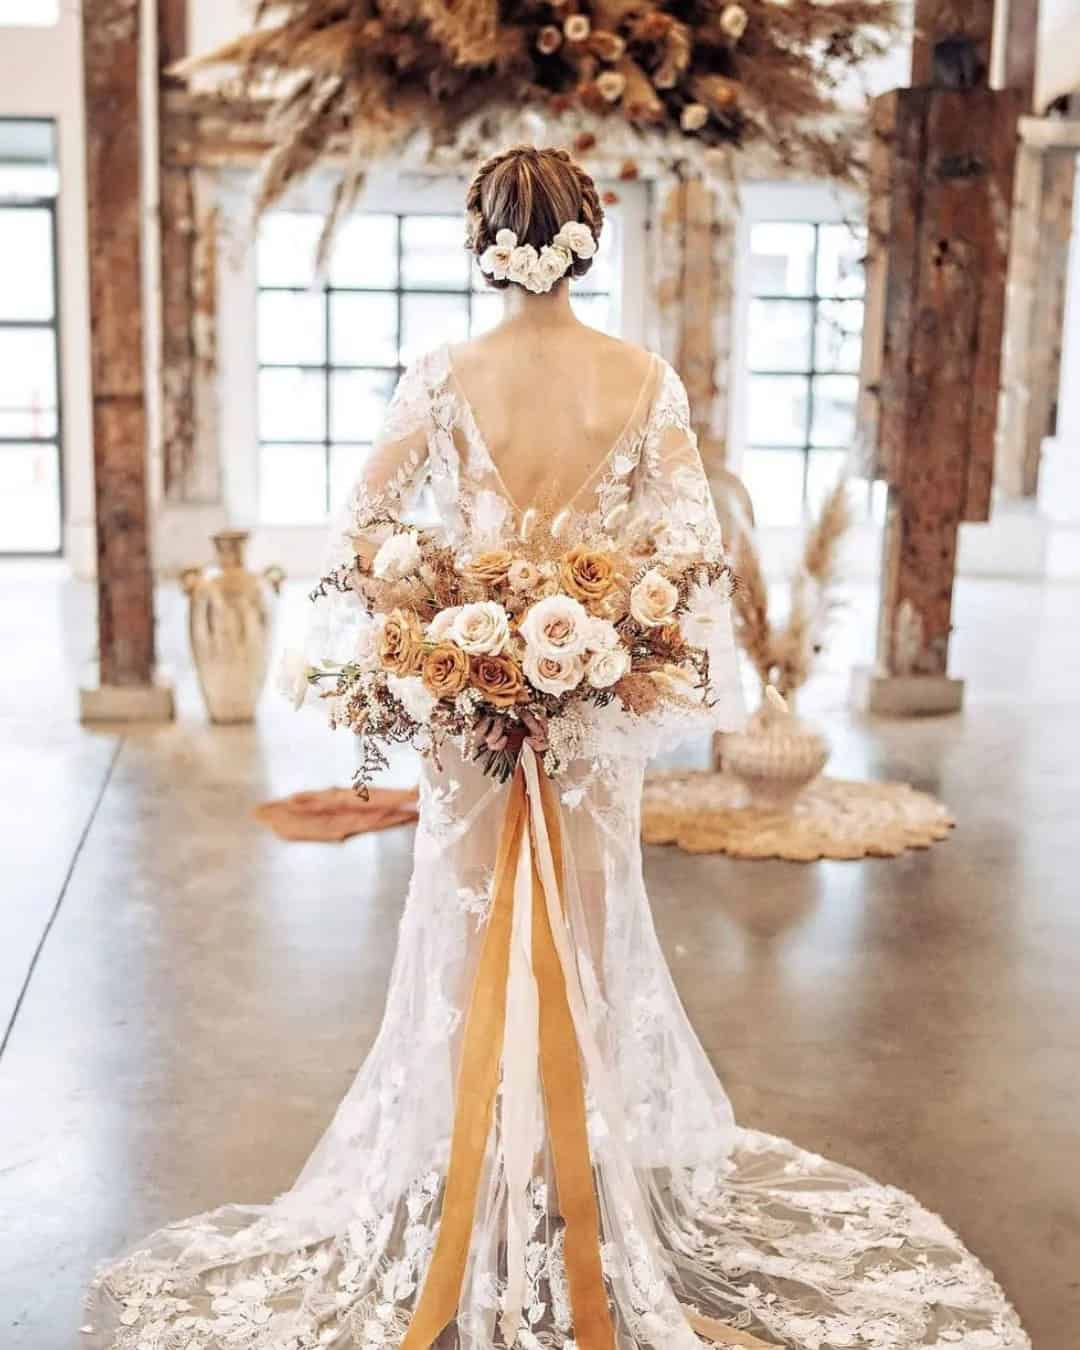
x,y
530,843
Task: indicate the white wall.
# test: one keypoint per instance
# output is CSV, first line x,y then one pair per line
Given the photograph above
x,y
41,76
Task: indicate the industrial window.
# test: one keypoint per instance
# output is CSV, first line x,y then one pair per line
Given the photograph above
x,y
30,477
330,355
804,340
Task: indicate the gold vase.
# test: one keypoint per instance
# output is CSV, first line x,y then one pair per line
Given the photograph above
x,y
230,624
776,756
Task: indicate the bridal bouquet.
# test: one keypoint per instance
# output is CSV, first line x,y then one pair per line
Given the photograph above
x,y
455,638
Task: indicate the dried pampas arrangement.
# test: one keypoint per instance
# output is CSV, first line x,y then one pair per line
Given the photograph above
x,y
360,78
784,656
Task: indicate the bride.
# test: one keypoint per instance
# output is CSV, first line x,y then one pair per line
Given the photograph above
x,y
433,1215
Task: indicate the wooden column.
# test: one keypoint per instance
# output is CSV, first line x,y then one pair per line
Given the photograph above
x,y
111,38
694,259
946,152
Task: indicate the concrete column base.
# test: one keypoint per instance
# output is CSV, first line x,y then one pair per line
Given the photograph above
x,y
905,695
128,702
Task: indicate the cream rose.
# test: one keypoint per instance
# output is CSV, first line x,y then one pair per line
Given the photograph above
x,y
556,626
653,599
575,236
481,629
524,575
522,264
495,260
397,557
603,636
441,628
553,674
607,667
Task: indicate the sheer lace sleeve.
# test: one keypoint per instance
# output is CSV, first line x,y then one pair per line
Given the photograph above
x,y
671,498
389,483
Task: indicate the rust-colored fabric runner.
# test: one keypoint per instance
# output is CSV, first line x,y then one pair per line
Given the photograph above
x,y
329,815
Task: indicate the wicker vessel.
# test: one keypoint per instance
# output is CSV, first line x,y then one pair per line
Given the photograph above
x,y
776,756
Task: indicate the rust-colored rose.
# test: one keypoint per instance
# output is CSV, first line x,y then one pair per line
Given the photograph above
x,y
587,575
490,569
400,643
446,670
637,693
497,679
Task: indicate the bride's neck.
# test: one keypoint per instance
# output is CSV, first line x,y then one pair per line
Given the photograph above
x,y
549,310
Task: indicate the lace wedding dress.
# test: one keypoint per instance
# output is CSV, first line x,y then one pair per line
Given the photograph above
x,y
708,1232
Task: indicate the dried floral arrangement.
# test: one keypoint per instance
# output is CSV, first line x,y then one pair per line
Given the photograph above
x,y
365,76
784,655
454,640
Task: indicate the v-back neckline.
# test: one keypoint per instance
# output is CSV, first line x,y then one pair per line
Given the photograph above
x,y
478,438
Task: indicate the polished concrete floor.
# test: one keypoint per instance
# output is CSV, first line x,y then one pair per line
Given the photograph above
x,y
183,998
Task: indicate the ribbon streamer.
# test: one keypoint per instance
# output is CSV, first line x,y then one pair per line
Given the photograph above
x,y
527,987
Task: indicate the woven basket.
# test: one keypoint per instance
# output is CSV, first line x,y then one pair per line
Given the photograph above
x,y
776,756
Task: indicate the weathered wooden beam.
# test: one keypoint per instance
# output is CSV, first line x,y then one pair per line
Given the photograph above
x,y
943,180
694,256
1020,45
111,33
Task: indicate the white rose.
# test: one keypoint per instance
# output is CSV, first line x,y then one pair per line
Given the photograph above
x,y
576,237
603,636
552,264
733,21
557,626
482,628
606,668
414,698
653,600
521,265
495,260
553,674
441,628
397,557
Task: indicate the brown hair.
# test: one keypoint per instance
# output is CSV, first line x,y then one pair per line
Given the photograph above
x,y
534,193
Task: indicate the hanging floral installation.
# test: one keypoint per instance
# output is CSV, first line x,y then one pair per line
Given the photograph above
x,y
360,79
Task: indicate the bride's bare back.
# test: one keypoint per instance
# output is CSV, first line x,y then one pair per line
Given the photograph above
x,y
551,397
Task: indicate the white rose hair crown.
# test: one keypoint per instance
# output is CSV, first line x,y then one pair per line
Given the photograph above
x,y
533,217
507,260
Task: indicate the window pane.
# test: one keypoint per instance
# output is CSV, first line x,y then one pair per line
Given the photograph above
x,y
774,480
292,484
29,13
27,383
427,320
292,328
346,466
838,342
363,329
834,409
365,253
292,405
286,248
26,264
779,337
487,310
358,399
433,253
782,259
777,412
29,499
840,260
595,310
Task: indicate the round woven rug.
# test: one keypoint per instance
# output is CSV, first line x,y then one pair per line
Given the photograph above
x,y
706,812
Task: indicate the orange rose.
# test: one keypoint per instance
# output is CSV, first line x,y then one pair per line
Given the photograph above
x,y
400,643
446,670
587,575
497,679
491,568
